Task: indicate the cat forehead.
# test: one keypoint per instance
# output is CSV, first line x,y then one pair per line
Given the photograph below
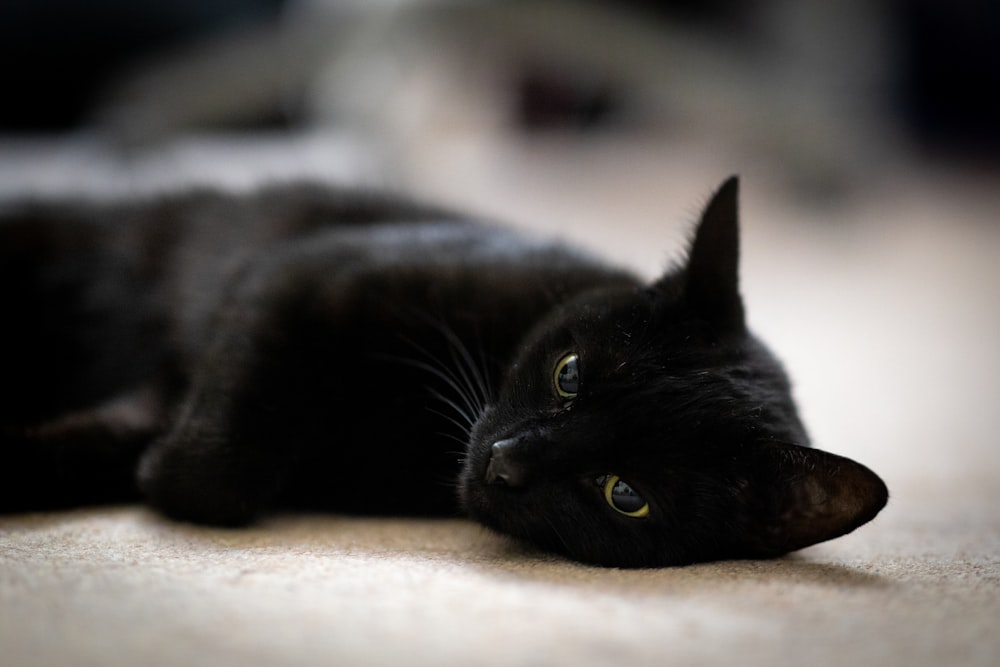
x,y
629,320
616,310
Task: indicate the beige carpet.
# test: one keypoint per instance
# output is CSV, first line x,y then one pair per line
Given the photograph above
x,y
886,310
121,587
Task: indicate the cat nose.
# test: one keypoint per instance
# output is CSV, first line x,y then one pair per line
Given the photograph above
x,y
501,469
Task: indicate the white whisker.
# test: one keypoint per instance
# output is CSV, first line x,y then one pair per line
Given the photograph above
x,y
468,420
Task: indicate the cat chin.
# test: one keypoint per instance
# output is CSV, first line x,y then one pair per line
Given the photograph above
x,y
474,499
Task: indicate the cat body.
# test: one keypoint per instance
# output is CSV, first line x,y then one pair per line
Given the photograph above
x,y
223,355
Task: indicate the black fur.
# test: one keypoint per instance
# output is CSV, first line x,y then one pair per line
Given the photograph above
x,y
224,355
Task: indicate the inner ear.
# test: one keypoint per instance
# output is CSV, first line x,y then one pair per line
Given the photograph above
x,y
804,496
711,278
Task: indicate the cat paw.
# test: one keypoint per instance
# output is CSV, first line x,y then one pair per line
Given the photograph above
x,y
189,484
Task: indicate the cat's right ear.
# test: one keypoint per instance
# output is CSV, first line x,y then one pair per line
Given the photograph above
x,y
710,280
711,285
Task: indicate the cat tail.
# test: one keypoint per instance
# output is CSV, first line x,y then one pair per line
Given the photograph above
x,y
81,458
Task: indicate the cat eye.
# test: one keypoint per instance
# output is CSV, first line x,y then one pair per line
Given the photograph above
x,y
622,498
567,376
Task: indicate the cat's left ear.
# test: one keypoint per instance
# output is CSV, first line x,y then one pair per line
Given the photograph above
x,y
804,496
710,284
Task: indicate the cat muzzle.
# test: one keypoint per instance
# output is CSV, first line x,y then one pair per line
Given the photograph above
x,y
501,469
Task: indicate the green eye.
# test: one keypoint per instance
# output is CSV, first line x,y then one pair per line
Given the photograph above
x,y
623,498
567,376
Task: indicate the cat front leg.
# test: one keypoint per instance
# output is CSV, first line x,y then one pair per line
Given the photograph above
x,y
249,414
213,465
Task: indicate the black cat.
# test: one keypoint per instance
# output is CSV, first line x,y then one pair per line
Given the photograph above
x,y
299,347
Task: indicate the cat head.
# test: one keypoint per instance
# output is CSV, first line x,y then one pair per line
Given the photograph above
x,y
647,427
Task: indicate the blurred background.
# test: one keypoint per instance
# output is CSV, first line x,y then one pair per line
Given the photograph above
x,y
823,97
866,133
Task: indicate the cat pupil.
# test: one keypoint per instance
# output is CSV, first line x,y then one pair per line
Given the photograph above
x,y
625,498
622,497
567,376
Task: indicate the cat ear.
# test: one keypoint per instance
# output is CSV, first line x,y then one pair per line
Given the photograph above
x,y
711,279
807,496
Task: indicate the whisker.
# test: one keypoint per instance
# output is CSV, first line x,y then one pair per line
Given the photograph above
x,y
460,455
467,382
558,535
464,414
485,366
459,383
476,382
472,372
452,382
468,389
450,419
